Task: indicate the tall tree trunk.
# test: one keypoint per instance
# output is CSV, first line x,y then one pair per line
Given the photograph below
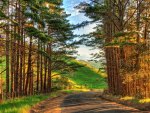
x,y
45,70
31,82
38,66
12,62
20,33
29,71
7,62
7,55
24,63
16,55
49,82
138,36
41,71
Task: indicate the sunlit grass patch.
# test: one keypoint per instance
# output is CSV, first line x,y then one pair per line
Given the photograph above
x,y
135,100
76,90
23,105
127,98
147,100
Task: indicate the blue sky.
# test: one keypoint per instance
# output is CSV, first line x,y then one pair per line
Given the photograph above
x,y
75,18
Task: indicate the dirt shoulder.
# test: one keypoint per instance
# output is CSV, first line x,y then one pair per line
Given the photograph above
x,y
132,103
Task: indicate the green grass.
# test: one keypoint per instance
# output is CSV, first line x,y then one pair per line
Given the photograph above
x,y
94,64
89,78
23,105
135,100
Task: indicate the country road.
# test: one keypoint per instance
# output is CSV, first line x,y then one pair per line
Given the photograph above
x,y
89,102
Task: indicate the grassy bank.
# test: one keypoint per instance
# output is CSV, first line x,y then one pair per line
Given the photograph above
x,y
23,105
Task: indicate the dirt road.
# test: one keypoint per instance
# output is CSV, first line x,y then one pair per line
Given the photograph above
x,y
89,102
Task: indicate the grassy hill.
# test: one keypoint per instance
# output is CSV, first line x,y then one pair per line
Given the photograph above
x,y
85,77
89,77
93,64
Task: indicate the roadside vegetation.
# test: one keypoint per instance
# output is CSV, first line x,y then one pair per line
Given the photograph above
x,y
23,105
77,81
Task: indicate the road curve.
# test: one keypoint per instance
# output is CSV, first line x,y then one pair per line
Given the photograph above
x,y
89,102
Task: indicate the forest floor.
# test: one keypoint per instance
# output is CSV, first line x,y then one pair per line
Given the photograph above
x,y
86,102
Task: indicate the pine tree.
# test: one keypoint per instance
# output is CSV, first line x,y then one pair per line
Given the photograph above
x,y
39,40
121,25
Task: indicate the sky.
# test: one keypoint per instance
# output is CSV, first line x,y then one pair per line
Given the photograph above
x,y
75,18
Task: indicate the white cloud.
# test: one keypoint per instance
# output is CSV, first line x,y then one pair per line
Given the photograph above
x,y
86,30
85,52
75,12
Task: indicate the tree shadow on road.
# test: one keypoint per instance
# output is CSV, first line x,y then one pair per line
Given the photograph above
x,y
91,103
